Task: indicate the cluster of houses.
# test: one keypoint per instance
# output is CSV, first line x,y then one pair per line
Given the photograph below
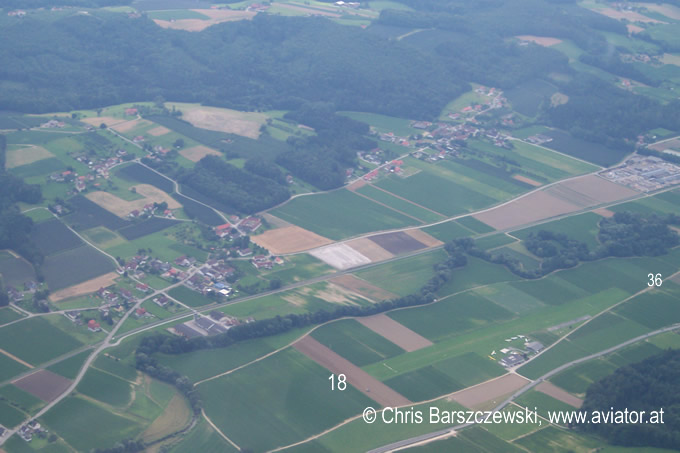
x,y
17,13
53,124
213,277
30,429
149,210
266,262
15,295
99,166
514,356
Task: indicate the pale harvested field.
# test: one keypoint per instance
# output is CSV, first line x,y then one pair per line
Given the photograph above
x,y
87,287
527,180
97,120
27,155
540,40
340,256
290,239
313,12
175,416
158,131
424,238
666,144
488,391
633,29
356,185
532,208
604,212
362,287
216,17
667,10
230,121
597,188
669,58
361,380
43,384
129,125
628,15
397,333
562,198
551,389
15,358
369,249
122,207
198,152
332,293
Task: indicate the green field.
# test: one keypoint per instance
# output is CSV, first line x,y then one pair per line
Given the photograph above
x,y
80,422
542,402
405,276
10,416
20,399
448,231
298,401
400,205
356,343
494,241
510,298
203,439
189,296
476,273
297,268
8,315
400,126
578,378
35,340
583,227
340,214
557,440
70,367
105,388
475,225
653,309
116,367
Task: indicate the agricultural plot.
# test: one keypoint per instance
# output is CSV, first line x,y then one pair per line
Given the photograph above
x,y
591,152
397,243
70,367
40,168
10,416
36,341
475,225
551,290
399,204
53,236
405,276
556,440
448,231
397,333
144,194
105,387
43,384
385,124
289,239
89,215
79,422
563,352
141,174
578,378
510,298
103,237
303,407
150,226
356,343
476,273
340,214
653,309
199,211
15,271
205,439
8,314
20,399
300,267
23,155
190,297
583,227
75,266
9,367
494,241
451,316
542,402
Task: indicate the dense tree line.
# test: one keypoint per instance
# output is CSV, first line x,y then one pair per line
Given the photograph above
x,y
644,386
611,62
236,189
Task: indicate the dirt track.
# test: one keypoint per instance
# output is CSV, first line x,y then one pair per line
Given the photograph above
x,y
362,381
397,333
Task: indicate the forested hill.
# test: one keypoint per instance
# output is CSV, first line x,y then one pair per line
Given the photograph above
x,y
270,62
648,385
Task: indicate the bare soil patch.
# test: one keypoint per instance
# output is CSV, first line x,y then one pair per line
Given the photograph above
x,y
122,207
395,332
666,144
340,256
198,152
361,380
175,416
216,17
246,124
559,394
15,358
356,185
97,120
633,29
129,125
532,208
370,249
290,239
487,391
87,287
669,58
158,131
527,180
362,287
598,189
632,16
27,155
423,237
398,242
338,295
604,212
43,384
544,41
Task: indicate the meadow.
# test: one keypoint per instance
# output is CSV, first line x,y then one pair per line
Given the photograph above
x,y
475,225
340,214
15,272
591,152
400,205
448,231
399,126
36,341
582,227
70,367
189,296
75,266
105,387
299,401
88,214
52,237
527,97
20,399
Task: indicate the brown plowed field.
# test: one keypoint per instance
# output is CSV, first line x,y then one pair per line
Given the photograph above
x,y
97,120
397,333
370,249
559,394
43,384
421,236
604,212
129,125
598,188
397,243
197,153
527,180
87,287
361,380
362,287
490,390
122,207
289,239
158,131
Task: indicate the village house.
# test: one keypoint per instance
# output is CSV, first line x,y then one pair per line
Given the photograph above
x,y
222,230
250,224
161,300
93,326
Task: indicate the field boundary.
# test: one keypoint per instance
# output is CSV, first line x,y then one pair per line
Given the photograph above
x,y
15,358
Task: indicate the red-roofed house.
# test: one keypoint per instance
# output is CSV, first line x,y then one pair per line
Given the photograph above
x,y
93,326
131,111
140,312
222,230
